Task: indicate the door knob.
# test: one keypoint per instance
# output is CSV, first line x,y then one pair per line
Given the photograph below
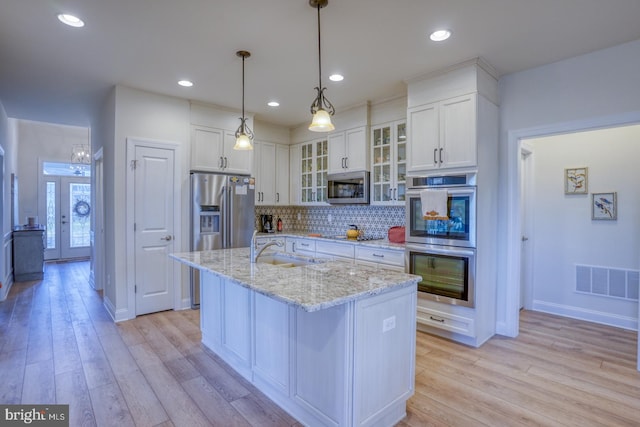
x,y
167,238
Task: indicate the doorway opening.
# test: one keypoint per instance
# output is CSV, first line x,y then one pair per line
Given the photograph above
x,y
65,209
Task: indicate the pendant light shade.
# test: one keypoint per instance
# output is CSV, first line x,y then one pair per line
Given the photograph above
x,y
321,108
244,136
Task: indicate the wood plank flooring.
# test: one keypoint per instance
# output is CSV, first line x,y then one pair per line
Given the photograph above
x,y
58,345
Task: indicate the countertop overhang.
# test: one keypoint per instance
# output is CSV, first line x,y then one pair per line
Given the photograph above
x,y
312,287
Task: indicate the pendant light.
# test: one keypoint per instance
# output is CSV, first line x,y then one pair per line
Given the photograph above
x,y
244,136
321,108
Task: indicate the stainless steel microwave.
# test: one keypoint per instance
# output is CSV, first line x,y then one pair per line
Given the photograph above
x,y
348,188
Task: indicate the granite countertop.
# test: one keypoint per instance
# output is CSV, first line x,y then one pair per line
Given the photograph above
x,y
316,286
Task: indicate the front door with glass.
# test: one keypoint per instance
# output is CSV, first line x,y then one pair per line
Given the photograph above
x,y
67,217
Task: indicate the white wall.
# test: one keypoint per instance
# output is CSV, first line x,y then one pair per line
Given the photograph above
x,y
563,233
590,91
38,142
8,144
142,115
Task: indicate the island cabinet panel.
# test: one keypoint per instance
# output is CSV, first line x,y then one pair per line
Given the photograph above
x,y
211,318
384,337
271,320
322,365
225,320
236,325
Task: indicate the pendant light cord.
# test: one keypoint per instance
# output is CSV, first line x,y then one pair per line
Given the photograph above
x,y
319,53
243,124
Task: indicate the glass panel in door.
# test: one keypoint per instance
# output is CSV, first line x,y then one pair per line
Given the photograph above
x,y
401,161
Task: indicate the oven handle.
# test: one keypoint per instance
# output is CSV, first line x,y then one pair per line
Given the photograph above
x,y
460,191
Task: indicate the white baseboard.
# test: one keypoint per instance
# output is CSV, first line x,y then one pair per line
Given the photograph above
x,y
116,315
580,313
6,287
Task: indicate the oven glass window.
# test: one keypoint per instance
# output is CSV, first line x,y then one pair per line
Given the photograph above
x,y
457,227
441,274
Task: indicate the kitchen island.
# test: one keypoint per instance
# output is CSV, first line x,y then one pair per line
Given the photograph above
x,y
331,342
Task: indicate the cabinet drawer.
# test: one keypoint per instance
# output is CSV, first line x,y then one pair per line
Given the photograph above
x,y
384,256
306,246
447,321
335,249
261,241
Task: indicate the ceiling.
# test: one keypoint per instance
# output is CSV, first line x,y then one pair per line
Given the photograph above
x,y
54,73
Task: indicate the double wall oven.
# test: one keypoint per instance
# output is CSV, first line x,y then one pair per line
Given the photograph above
x,y
443,251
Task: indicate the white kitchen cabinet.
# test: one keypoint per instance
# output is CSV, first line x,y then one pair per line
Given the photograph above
x,y
446,319
263,240
264,172
282,174
443,135
272,343
348,151
212,150
336,250
389,163
225,323
271,169
313,172
387,258
301,246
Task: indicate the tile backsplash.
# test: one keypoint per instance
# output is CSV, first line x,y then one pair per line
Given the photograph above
x,y
374,220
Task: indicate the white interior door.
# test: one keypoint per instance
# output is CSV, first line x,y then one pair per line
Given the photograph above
x,y
67,217
526,262
154,202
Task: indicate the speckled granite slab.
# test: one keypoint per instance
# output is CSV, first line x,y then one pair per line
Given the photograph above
x,y
313,287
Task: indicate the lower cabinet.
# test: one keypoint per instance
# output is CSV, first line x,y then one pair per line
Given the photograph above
x,y
348,365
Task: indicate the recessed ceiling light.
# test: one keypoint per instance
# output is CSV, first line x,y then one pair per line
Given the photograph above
x,y
72,21
185,83
440,35
336,77
273,104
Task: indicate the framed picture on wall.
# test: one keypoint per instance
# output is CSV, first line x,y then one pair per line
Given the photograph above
x,y
604,205
575,181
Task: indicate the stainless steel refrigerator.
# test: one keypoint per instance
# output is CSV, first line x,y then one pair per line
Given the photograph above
x,y
222,216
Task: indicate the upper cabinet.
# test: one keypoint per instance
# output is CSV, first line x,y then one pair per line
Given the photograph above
x,y
389,163
443,134
311,160
447,114
348,151
212,141
271,170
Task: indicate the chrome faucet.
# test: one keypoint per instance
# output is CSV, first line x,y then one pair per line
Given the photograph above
x,y
254,256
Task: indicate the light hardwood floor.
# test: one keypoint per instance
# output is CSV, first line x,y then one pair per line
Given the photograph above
x,y
58,345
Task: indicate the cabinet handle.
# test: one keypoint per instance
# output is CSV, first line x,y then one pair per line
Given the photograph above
x,y
435,152
304,244
395,194
277,197
378,255
436,319
226,163
346,163
221,164
168,237
441,155
293,246
390,194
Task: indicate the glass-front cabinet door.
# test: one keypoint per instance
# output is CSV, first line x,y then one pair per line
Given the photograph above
x,y
389,163
314,158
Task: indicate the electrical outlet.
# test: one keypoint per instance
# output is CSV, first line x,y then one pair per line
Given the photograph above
x,y
388,324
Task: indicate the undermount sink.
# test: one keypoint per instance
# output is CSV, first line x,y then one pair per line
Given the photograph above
x,y
286,261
